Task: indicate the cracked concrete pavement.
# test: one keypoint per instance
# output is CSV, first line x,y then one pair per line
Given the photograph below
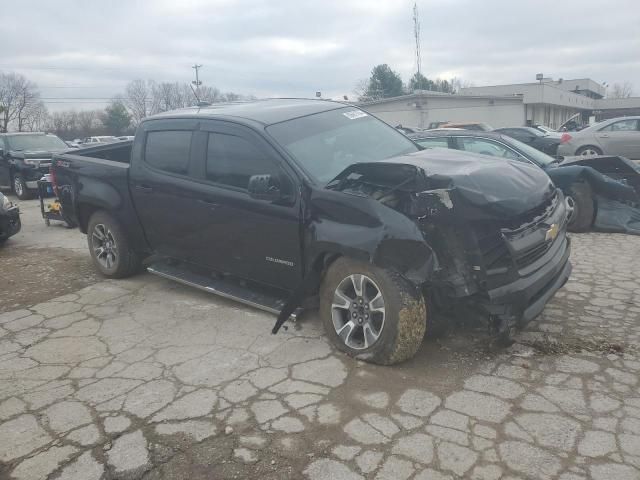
x,y
144,378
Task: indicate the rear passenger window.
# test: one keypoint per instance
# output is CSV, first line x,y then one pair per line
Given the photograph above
x,y
168,150
442,142
622,126
231,160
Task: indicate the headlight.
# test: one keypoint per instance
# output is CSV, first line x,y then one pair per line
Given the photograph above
x,y
5,203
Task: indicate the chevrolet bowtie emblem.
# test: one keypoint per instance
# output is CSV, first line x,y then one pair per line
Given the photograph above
x,y
552,233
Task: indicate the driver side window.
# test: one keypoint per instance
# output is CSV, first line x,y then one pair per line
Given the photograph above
x,y
232,160
486,147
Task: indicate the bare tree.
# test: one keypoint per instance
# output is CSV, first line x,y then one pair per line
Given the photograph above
x,y
86,121
34,117
137,99
17,96
209,94
623,90
361,89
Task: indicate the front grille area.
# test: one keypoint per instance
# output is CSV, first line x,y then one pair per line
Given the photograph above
x,y
494,240
528,257
493,250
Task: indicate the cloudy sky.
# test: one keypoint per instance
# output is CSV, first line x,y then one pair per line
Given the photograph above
x,y
81,53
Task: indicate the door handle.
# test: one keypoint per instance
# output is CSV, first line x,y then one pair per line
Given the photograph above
x,y
604,135
144,188
209,203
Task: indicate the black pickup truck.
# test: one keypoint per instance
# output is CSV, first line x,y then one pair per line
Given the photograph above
x,y
25,158
276,202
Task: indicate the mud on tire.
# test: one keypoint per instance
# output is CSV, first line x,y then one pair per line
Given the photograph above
x,y
405,315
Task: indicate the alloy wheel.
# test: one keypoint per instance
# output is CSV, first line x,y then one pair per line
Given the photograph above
x,y
18,187
589,152
104,246
358,311
571,207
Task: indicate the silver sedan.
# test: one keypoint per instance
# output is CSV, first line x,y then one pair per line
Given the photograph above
x,y
616,136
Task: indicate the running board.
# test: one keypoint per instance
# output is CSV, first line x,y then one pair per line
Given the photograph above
x,y
222,288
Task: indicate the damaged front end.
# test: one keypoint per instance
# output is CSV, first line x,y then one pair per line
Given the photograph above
x,y
480,237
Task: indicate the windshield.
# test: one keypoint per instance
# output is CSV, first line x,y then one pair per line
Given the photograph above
x,y
35,142
326,143
542,159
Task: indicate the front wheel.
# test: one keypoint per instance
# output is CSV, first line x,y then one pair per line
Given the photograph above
x,y
580,198
20,188
371,313
110,248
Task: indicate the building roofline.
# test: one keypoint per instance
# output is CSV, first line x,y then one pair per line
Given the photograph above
x,y
439,95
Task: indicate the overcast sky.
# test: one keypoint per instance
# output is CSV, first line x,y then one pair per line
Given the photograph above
x,y
91,49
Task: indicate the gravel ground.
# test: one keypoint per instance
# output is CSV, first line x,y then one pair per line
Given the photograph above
x,y
144,378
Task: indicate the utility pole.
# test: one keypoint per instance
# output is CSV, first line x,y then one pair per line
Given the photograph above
x,y
197,81
416,33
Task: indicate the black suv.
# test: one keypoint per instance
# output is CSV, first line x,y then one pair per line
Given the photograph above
x,y
25,158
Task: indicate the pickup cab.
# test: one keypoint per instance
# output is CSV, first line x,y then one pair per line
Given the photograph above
x,y
25,158
278,202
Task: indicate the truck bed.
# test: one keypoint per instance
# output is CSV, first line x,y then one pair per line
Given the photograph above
x,y
97,178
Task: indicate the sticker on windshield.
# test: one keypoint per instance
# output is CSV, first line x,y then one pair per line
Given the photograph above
x,y
353,114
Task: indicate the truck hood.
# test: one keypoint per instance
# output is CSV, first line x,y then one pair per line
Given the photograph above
x,y
34,153
503,187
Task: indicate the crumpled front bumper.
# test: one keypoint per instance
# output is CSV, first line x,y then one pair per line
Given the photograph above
x,y
523,300
529,285
9,223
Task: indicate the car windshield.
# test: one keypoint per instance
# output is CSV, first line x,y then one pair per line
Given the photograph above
x,y
35,142
542,159
326,143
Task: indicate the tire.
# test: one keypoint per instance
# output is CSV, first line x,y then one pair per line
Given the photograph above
x,y
589,151
581,195
401,328
20,188
117,259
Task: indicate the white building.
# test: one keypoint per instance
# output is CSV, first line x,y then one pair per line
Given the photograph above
x,y
548,102
421,109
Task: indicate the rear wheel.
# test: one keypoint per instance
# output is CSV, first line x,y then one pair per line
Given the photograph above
x,y
109,247
589,151
371,313
580,197
20,188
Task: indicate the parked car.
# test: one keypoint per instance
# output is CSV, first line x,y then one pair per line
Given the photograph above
x,y
99,139
9,219
603,192
25,158
475,126
531,136
273,201
617,136
547,130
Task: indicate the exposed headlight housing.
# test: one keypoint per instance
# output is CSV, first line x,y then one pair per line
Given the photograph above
x,y
5,203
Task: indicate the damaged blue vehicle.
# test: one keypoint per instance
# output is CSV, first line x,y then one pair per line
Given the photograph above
x,y
603,192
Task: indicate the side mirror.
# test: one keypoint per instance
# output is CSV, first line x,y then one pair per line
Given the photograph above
x,y
264,187
1,152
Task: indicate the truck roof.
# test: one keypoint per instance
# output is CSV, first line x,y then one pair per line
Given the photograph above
x,y
267,112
